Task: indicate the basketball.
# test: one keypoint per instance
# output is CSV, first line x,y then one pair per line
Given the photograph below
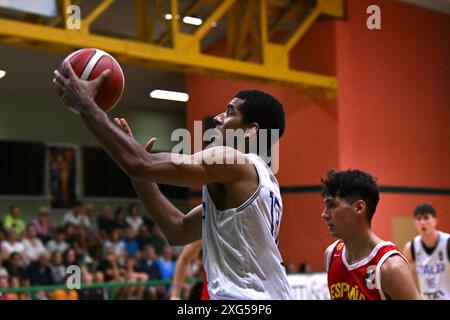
x,y
88,64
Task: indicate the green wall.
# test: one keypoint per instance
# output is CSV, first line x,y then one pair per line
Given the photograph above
x,y
44,119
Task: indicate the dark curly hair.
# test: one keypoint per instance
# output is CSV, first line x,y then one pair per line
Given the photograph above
x,y
262,108
352,185
423,209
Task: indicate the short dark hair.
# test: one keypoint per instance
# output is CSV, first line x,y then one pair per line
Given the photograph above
x,y
262,108
353,185
423,209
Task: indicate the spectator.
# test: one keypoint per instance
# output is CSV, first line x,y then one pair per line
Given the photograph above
x,y
120,219
133,275
44,225
105,222
76,216
16,267
39,271
4,283
13,220
290,269
57,267
110,267
58,243
116,244
144,237
166,264
11,244
147,264
70,257
130,242
88,210
158,240
91,293
33,246
133,219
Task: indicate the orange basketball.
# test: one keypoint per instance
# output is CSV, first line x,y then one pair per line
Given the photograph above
x,y
88,64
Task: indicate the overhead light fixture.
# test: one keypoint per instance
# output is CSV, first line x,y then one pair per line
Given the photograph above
x,y
192,20
2,73
169,95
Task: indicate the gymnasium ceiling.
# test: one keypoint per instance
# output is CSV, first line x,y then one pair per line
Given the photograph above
x,y
29,72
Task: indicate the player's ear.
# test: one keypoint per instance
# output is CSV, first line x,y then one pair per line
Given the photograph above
x,y
251,129
359,207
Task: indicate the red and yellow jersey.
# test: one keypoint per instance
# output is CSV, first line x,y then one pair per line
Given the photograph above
x,y
361,280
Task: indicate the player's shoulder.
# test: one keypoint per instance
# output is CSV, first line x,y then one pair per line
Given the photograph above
x,y
394,264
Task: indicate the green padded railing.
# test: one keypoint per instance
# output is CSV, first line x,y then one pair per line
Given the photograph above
x,y
108,285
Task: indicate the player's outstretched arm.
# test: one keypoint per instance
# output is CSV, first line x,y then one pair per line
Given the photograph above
x,y
189,253
397,281
177,227
196,170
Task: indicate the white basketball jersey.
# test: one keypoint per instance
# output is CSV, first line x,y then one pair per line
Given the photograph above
x,y
240,245
433,269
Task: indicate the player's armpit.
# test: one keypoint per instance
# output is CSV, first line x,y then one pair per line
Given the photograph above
x,y
397,281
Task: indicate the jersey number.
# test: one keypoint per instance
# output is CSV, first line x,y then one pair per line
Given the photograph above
x,y
275,216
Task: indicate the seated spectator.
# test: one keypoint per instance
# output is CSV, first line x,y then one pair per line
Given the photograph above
x,y
39,271
70,257
110,267
16,266
11,244
90,293
116,244
58,242
144,237
166,264
44,225
158,240
105,222
134,219
57,267
147,264
4,283
13,220
130,242
33,246
132,274
70,234
88,211
120,219
76,216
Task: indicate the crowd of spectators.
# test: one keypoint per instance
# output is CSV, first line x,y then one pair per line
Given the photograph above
x,y
119,246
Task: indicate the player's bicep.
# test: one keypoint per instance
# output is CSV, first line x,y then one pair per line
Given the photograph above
x,y
396,279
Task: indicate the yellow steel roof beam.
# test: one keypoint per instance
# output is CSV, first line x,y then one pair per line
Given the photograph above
x,y
142,27
303,27
215,16
157,56
101,8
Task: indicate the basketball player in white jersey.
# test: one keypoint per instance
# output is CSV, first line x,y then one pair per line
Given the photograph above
x,y
240,216
429,252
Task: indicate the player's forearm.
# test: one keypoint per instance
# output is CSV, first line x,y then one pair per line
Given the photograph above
x,y
178,277
167,216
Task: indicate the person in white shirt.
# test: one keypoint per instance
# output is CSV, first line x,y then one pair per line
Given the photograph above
x,y
76,216
33,246
134,219
240,217
429,253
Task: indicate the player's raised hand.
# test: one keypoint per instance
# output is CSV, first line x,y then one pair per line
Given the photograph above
x,y
78,93
123,124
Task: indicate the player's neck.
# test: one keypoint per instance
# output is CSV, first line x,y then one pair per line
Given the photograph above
x,y
430,239
359,245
